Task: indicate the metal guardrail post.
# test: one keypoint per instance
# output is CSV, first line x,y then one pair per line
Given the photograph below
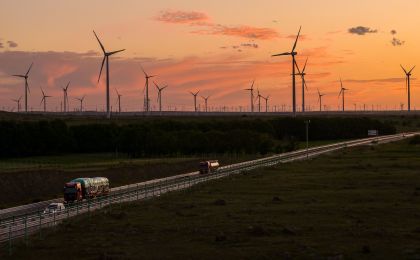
x,y
10,240
26,229
54,218
40,225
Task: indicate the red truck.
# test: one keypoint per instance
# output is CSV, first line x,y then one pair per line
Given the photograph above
x,y
85,188
209,167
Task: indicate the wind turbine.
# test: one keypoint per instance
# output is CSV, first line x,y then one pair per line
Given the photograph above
x,y
407,82
106,58
119,101
293,53
320,100
206,99
195,99
26,85
302,74
259,100
342,92
251,90
159,99
81,102
44,99
17,102
266,102
146,89
65,97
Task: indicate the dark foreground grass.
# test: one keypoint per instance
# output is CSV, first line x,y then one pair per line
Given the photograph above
x,y
361,203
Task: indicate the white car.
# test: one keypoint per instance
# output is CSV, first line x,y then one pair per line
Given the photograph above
x,y
54,208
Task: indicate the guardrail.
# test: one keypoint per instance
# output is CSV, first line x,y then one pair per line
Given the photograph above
x,y
21,226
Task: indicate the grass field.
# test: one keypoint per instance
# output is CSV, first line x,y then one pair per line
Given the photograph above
x,y
362,203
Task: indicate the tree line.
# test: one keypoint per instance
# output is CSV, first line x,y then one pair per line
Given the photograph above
x,y
167,137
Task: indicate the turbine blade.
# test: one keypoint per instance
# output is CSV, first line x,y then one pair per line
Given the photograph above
x,y
20,76
411,69
102,66
112,53
145,74
304,67
156,85
404,69
30,67
304,82
297,38
298,68
100,43
68,84
281,54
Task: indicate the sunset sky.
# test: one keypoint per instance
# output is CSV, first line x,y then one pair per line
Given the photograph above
x,y
217,47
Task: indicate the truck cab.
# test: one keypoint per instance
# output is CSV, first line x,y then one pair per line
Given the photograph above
x,y
207,167
73,192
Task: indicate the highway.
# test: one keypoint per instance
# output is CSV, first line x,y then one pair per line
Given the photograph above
x,y
18,222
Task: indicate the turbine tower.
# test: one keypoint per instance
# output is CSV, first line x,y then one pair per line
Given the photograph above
x,y
66,97
106,58
302,74
44,100
119,101
159,98
320,100
251,90
17,102
146,90
342,92
408,85
293,53
26,85
206,99
81,102
195,99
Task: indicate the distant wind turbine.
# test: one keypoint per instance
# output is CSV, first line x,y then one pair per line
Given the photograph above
x,y
106,58
206,99
81,102
66,97
146,90
195,99
119,101
259,100
266,102
26,85
44,99
293,53
17,102
251,90
342,93
408,84
320,100
302,74
159,98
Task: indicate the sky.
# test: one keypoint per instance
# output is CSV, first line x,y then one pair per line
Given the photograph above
x,y
217,47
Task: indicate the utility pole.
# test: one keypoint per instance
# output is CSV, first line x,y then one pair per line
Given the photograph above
x,y
307,122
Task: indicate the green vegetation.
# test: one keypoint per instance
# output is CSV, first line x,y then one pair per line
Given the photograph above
x,y
361,203
159,137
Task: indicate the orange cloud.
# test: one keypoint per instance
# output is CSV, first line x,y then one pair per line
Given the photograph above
x,y
244,31
202,20
181,17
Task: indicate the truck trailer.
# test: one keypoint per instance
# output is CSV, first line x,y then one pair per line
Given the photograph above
x,y
209,167
85,188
